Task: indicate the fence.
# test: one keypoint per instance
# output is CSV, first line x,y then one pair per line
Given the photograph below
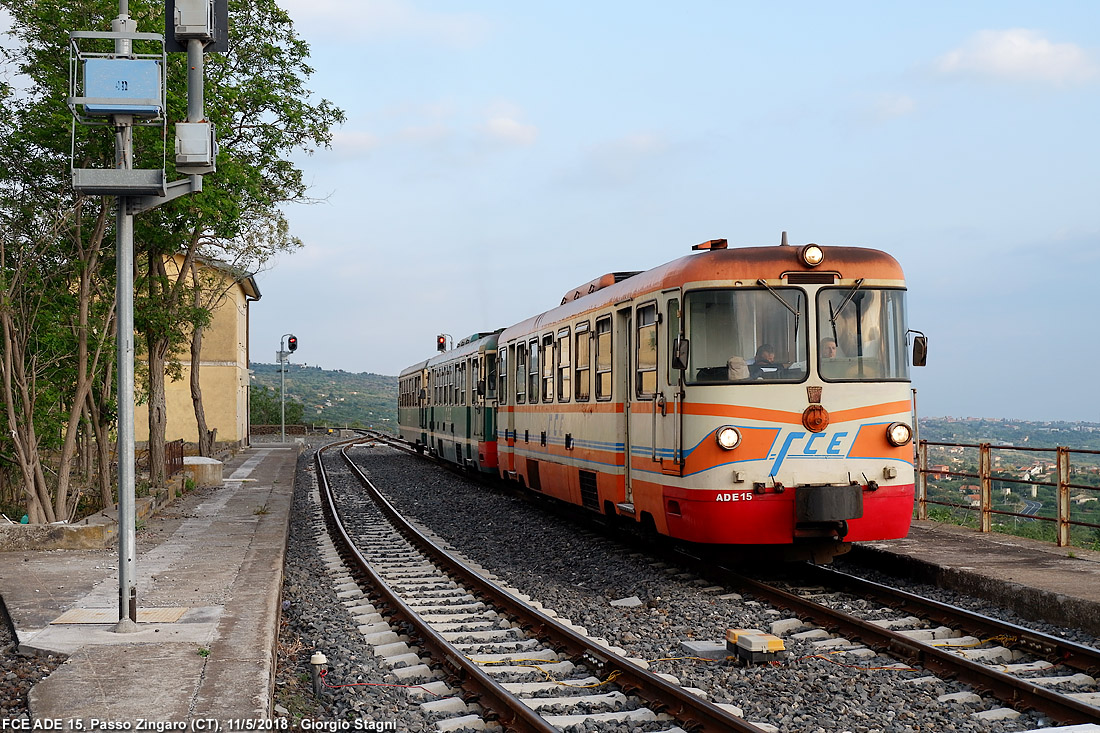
x,y
173,457
1062,485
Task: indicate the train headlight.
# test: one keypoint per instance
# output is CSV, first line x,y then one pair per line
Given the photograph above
x,y
812,255
728,437
898,433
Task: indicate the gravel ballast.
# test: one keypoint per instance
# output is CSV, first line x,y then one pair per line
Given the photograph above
x,y
579,573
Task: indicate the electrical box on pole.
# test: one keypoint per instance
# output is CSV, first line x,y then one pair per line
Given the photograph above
x,y
206,20
196,27
108,86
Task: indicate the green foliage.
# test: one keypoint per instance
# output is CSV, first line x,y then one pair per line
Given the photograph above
x,y
332,397
258,98
265,407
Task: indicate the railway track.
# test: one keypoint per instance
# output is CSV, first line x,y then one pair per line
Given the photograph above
x,y
1026,670
504,661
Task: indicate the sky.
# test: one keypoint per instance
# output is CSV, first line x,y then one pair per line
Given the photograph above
x,y
498,153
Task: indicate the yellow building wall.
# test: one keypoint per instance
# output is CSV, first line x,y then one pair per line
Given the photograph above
x,y
223,376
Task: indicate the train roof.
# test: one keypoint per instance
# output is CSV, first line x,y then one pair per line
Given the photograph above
x,y
718,264
470,345
414,369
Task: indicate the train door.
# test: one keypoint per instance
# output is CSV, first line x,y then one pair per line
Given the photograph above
x,y
422,401
507,412
477,394
667,450
623,372
652,420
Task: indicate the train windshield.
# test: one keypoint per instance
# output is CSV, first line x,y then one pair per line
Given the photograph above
x,y
861,334
746,334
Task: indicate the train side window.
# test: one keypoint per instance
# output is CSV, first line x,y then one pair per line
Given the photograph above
x,y
563,365
645,362
582,377
548,367
502,372
521,373
603,358
533,371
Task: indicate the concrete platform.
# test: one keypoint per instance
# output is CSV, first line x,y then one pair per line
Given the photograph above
x,y
1037,580
209,576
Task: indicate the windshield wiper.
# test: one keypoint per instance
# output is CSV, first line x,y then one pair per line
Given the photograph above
x,y
786,305
779,297
847,299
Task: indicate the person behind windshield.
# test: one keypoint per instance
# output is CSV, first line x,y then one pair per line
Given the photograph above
x,y
763,361
829,361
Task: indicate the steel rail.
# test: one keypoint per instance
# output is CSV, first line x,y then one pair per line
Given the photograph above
x,y
1059,651
491,695
690,711
1011,690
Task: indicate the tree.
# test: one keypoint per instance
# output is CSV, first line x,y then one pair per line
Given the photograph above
x,y
56,288
258,100
266,408
55,313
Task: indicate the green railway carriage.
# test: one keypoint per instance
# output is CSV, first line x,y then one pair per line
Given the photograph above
x,y
447,404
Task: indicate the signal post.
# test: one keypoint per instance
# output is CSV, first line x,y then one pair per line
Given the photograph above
x,y
120,89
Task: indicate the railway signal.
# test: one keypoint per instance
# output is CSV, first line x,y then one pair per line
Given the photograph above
x,y
441,342
283,357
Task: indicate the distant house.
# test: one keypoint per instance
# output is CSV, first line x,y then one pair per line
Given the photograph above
x,y
223,371
939,472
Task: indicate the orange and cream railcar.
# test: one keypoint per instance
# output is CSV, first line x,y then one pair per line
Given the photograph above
x,y
750,396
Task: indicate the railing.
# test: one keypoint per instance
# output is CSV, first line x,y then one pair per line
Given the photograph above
x,y
985,477
173,457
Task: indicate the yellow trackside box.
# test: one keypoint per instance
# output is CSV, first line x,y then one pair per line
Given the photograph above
x,y
753,645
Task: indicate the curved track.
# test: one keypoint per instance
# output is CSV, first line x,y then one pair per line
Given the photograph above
x,y
452,610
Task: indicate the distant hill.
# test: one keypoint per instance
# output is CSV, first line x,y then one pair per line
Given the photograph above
x,y
1029,433
335,398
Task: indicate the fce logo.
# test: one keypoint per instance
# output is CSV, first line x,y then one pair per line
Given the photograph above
x,y
817,444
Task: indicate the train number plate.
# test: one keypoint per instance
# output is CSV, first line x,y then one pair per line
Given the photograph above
x,y
734,496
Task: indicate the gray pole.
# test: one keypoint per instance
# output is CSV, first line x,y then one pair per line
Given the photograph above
x,y
195,90
124,305
282,397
